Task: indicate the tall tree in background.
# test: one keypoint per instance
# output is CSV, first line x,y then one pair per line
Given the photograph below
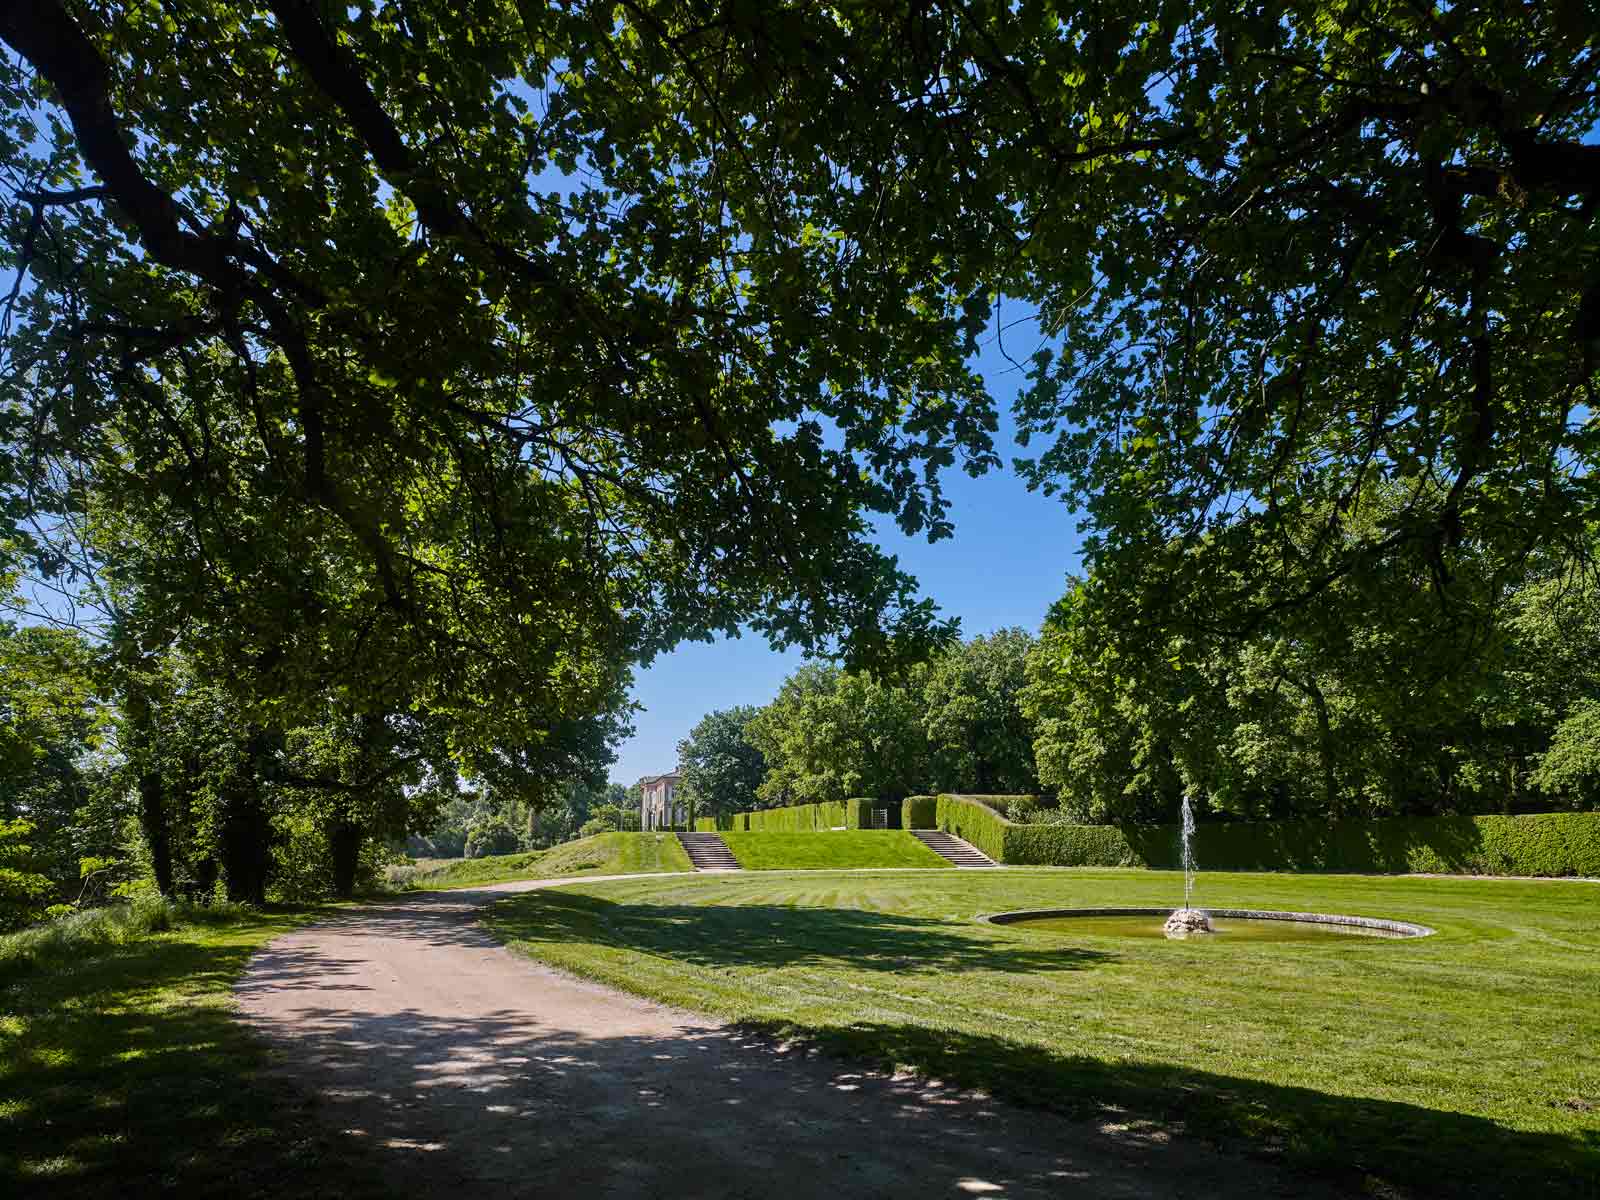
x,y
832,734
721,767
973,718
1348,706
50,725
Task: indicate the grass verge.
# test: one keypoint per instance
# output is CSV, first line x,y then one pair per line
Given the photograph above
x,y
1466,1064
841,848
602,854
123,1072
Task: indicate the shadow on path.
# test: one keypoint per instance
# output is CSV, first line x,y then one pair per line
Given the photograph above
x,y
461,1067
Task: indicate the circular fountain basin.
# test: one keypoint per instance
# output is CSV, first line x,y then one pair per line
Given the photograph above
x,y
1230,924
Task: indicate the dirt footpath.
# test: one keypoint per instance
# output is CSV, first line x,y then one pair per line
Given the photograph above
x,y
477,1072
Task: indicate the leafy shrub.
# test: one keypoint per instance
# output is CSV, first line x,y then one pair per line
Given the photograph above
x,y
797,818
1021,810
79,933
492,836
1549,844
25,893
858,812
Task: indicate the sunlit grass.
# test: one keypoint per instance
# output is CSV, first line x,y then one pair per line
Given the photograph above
x,y
123,1072
1466,1063
838,849
602,854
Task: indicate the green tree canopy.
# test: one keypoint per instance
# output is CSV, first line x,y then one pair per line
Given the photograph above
x,y
832,734
1295,256
1354,704
973,716
51,723
464,354
722,768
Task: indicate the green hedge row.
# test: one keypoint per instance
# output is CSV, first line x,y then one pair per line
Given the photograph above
x,y
919,812
1549,844
1070,846
970,819
797,818
1552,844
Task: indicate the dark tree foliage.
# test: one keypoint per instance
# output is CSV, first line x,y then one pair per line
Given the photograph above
x,y
296,292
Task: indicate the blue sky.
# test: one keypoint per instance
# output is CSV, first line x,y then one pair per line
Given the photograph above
x,y
1006,564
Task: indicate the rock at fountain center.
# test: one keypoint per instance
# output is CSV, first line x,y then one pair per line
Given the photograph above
x,y
1185,921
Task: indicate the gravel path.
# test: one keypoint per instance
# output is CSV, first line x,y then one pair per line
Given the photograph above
x,y
477,1072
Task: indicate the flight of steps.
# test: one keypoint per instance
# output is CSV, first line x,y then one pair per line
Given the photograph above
x,y
946,845
708,852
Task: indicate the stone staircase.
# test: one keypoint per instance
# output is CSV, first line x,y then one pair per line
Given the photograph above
x,y
708,852
946,845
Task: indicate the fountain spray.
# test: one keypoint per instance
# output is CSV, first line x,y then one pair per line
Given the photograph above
x,y
1187,920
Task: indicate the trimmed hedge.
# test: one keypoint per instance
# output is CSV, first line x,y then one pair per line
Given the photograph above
x,y
919,812
1548,844
969,818
797,818
1070,846
858,812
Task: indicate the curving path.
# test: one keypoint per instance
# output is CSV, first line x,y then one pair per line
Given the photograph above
x,y
473,1071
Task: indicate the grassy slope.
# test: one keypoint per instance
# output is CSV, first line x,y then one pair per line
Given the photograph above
x,y
603,854
852,848
1467,1063
122,1072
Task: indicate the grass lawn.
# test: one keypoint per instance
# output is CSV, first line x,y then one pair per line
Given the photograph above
x,y
840,848
602,854
122,1072
1467,1063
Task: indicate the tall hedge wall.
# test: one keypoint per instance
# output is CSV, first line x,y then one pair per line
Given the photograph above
x,y
919,812
1552,844
969,818
797,818
858,812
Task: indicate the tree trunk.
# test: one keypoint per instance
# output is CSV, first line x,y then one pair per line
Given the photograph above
x,y
247,831
344,842
153,821
1330,786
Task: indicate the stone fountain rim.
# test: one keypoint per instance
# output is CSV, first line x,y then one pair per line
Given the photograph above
x,y
1382,924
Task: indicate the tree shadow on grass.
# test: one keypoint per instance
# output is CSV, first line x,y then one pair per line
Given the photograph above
x,y
767,936
1347,1140
126,1074
1356,1144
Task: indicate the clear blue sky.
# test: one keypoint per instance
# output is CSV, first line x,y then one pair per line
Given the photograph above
x,y
1006,564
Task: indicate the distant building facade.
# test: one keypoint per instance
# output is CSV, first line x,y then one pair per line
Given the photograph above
x,y
658,802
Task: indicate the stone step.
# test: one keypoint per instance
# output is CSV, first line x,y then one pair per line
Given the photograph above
x,y
953,849
708,852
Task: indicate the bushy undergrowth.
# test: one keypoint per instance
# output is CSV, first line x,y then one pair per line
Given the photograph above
x,y
91,931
